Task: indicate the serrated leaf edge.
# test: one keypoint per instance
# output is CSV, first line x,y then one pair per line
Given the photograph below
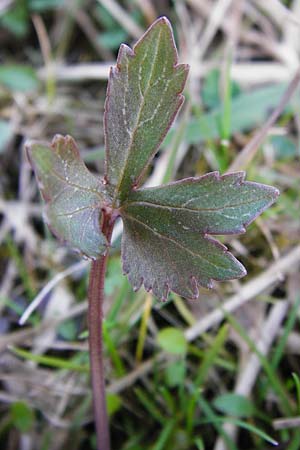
x,y
115,69
56,138
194,283
240,181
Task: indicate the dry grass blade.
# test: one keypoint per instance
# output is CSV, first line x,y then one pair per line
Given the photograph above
x,y
216,17
269,278
79,72
48,288
248,153
290,422
121,15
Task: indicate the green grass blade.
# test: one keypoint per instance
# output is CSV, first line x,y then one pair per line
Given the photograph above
x,y
49,361
211,354
150,406
214,420
209,360
279,348
275,382
164,436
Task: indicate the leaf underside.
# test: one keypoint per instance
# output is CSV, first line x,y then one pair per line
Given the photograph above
x,y
165,242
143,97
73,196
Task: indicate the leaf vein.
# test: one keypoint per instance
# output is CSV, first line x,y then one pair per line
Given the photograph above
x,y
139,112
79,187
183,208
196,255
77,210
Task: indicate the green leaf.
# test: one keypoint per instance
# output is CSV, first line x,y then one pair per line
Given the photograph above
x,y
248,110
73,196
16,18
112,38
22,416
284,147
175,373
143,97
165,242
234,405
44,5
211,204
172,340
162,263
18,77
211,89
113,403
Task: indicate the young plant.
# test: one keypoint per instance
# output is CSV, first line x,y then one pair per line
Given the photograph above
x,y
166,243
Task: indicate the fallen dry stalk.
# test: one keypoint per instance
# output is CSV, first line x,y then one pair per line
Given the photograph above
x,y
248,291
289,422
248,152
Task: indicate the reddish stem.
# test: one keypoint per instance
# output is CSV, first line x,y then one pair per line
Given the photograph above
x,y
95,319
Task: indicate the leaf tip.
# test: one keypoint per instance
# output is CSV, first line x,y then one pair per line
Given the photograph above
x,y
161,20
242,270
276,193
59,139
164,19
124,51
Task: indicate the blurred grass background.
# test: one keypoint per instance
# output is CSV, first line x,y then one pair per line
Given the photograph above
x,y
222,372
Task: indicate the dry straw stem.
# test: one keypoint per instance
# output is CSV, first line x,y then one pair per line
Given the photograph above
x,y
45,45
23,335
148,9
248,152
248,291
265,41
273,71
78,72
91,32
215,19
247,74
287,264
247,377
121,16
81,265
291,32
43,39
279,12
289,422
141,370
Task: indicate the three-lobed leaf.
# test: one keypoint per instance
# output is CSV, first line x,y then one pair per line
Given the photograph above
x,y
165,242
73,196
143,97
